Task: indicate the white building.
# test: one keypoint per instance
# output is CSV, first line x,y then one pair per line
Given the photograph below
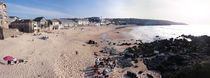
x,y
66,23
83,22
55,24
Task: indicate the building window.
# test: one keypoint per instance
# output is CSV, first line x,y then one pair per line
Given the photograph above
x,y
4,6
1,17
5,17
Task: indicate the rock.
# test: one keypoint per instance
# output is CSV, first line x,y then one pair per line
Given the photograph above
x,y
136,61
91,42
113,51
125,63
149,76
131,74
14,36
140,72
169,55
128,54
156,52
76,52
95,53
126,44
101,51
167,63
136,66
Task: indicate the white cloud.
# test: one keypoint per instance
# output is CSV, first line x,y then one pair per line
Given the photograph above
x,y
189,11
19,9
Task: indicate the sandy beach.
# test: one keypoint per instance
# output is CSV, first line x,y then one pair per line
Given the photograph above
x,y
52,58
56,57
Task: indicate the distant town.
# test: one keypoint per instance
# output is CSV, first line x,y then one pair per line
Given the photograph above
x,y
11,25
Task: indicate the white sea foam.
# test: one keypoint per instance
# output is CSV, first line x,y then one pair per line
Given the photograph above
x,y
149,33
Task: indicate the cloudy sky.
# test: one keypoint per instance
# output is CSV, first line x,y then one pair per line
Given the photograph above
x,y
188,11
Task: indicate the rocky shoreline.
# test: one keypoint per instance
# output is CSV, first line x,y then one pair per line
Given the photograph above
x,y
167,56
177,55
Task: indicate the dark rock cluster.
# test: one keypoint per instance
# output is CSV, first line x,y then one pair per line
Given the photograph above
x,y
123,63
171,55
91,42
110,51
131,74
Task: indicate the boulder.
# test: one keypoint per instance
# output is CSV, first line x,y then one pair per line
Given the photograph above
x,y
125,63
149,76
140,72
128,54
131,74
95,53
91,42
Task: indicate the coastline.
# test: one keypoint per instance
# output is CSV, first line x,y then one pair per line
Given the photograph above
x,y
120,33
157,61
56,57
118,36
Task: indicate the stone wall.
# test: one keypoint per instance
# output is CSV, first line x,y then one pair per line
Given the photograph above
x,y
1,33
6,33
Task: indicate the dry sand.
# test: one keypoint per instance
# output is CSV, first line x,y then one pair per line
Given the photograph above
x,y
56,57
52,58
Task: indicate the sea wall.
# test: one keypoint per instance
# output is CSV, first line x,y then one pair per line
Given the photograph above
x,y
1,33
6,33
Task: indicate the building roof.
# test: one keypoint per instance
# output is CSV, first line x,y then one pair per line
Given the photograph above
x,y
39,18
13,16
24,20
54,20
83,20
66,20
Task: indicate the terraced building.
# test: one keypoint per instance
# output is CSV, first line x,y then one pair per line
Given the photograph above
x,y
3,15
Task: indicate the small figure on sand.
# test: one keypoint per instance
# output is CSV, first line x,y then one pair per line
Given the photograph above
x,y
12,61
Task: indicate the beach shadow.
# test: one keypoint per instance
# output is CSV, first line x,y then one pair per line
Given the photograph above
x,y
2,63
89,72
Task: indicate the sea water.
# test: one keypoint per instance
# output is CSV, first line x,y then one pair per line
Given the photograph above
x,y
151,33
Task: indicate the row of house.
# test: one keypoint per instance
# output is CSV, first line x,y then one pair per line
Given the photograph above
x,y
5,32
35,25
3,15
42,24
10,24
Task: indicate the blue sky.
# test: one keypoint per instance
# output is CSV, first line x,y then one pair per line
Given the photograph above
x,y
189,11
55,8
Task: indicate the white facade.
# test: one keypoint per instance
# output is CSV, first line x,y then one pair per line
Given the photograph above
x,y
66,23
83,22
